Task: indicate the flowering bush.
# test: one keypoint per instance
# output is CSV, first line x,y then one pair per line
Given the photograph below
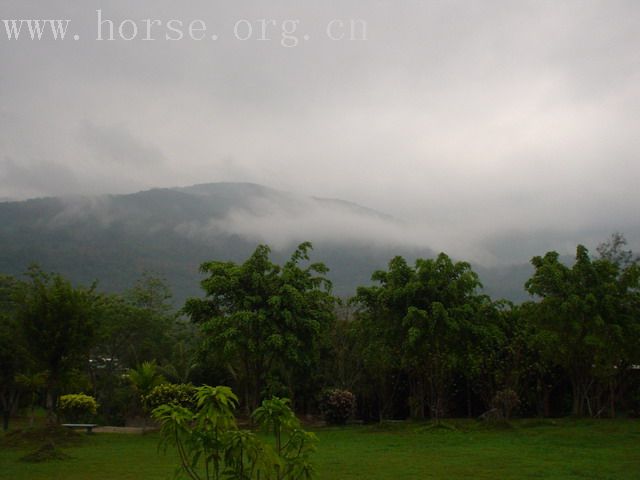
x,y
337,406
177,394
77,407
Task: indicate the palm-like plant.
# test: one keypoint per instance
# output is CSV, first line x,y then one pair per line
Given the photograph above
x,y
293,445
210,445
146,377
143,379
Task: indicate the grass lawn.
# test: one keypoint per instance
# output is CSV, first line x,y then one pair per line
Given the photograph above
x,y
565,449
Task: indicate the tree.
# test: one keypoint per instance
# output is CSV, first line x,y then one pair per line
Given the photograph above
x,y
485,354
614,250
589,315
31,384
131,333
131,328
58,324
152,293
526,359
624,335
381,334
13,352
265,319
415,318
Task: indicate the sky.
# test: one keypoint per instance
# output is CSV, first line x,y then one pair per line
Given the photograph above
x,y
495,129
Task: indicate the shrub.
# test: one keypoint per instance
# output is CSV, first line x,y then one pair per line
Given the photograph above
x,y
77,407
170,393
209,442
337,406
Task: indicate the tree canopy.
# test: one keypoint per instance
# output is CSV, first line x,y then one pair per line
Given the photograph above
x,y
422,340
589,315
265,319
58,323
416,318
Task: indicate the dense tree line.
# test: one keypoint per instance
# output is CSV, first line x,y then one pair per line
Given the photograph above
x,y
421,341
58,338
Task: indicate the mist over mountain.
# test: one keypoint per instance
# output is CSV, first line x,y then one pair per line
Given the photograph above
x,y
171,231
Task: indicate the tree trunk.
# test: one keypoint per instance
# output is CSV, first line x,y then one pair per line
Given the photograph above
x,y
612,398
581,385
546,401
422,398
576,407
468,392
418,410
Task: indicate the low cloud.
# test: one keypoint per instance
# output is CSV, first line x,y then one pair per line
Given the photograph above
x,y
283,220
116,144
490,129
36,178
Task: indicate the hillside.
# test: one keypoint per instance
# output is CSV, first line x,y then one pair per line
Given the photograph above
x,y
115,238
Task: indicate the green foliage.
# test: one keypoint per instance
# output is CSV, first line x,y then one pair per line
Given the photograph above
x,y
58,319
77,407
14,356
337,405
136,326
293,445
421,341
145,378
183,361
151,293
132,328
415,319
210,445
170,393
263,320
31,384
588,315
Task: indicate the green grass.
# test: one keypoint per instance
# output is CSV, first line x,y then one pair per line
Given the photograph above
x,y
564,449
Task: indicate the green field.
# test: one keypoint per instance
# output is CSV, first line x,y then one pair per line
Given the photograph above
x,y
565,449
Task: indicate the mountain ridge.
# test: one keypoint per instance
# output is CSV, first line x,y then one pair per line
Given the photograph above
x,y
171,231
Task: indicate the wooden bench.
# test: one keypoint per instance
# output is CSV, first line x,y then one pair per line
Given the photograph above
x,y
87,426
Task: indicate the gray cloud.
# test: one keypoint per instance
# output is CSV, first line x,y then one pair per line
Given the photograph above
x,y
469,120
116,144
284,220
36,177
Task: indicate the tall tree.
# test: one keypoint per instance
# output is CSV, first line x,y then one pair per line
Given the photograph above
x,y
589,314
416,316
623,337
615,251
264,318
131,332
152,293
14,358
132,328
380,310
58,324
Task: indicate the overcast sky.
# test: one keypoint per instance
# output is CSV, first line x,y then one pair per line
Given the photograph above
x,y
497,128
